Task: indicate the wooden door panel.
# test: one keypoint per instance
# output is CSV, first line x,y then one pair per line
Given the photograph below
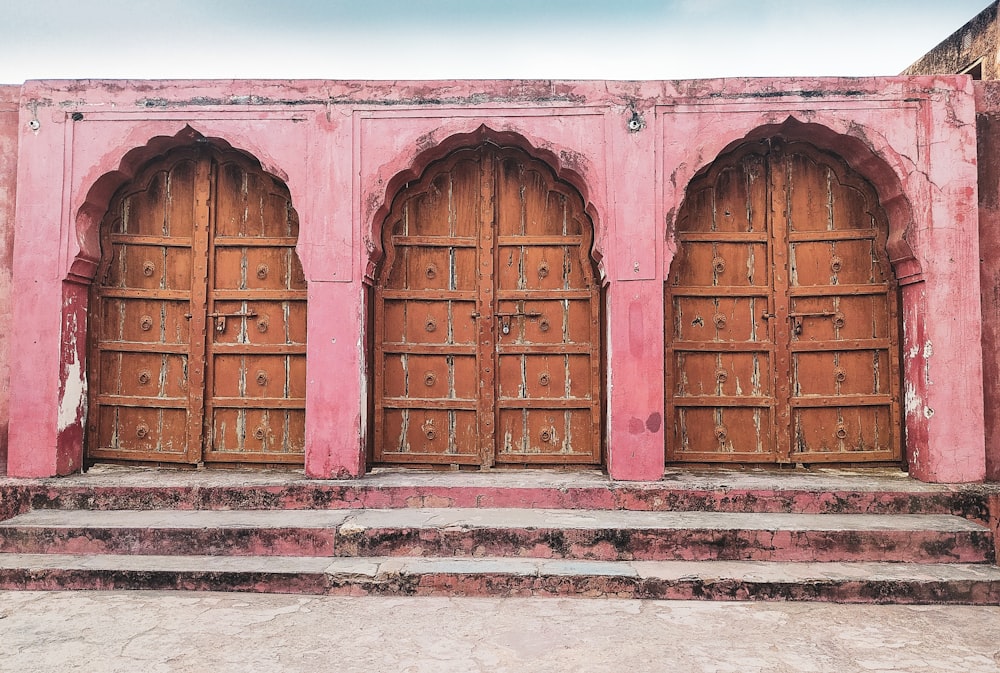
x,y
394,375
256,435
429,435
428,322
737,265
179,197
823,263
157,204
722,374
844,433
250,204
429,377
553,377
236,323
864,317
150,375
511,376
428,268
547,432
841,373
530,435
580,376
832,366
148,431
719,319
228,376
850,208
177,268
294,315
230,428
144,375
463,320
705,433
430,209
806,189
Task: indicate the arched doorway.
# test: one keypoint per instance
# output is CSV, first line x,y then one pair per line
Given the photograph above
x,y
781,314
487,318
198,317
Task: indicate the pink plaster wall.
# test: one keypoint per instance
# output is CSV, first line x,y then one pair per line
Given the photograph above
x,y
9,96
343,148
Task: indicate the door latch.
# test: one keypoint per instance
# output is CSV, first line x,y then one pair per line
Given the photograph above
x,y
797,318
220,318
504,318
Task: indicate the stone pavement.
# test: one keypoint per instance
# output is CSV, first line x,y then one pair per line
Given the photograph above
x,y
190,632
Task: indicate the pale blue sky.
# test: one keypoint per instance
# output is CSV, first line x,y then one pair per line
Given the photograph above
x,y
434,39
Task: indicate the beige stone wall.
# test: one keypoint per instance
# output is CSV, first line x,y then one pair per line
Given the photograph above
x,y
972,45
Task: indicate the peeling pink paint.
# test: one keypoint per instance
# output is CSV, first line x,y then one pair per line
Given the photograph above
x,y
343,148
9,97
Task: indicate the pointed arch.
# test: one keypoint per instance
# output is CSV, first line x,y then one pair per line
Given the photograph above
x,y
862,159
95,204
561,163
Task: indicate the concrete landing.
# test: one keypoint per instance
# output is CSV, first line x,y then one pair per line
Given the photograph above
x,y
187,632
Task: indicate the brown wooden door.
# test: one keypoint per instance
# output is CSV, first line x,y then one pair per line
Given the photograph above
x,y
198,317
782,335
487,330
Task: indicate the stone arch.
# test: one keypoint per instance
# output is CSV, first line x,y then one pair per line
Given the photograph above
x,y
95,204
868,162
564,164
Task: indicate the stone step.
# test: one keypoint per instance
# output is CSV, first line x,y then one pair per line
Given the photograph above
x,y
862,582
819,491
606,535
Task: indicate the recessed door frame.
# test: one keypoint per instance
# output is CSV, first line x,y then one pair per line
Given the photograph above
x,y
505,318
785,315
181,277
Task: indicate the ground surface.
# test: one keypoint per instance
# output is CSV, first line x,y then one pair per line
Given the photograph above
x,y
154,632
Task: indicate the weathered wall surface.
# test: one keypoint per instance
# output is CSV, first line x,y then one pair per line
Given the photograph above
x,y
631,148
988,123
975,41
9,96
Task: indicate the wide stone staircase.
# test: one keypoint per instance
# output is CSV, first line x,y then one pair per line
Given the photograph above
x,y
861,536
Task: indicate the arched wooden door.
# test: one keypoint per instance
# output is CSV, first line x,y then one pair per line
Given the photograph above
x,y
781,323
487,324
198,317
